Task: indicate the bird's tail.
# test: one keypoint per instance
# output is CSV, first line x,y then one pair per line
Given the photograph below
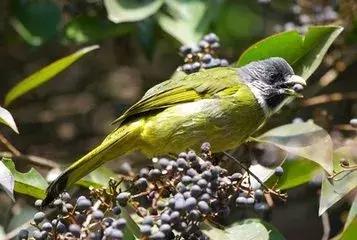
x,y
118,143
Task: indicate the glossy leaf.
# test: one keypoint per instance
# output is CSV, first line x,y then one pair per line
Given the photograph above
x,y
30,183
131,10
97,178
247,229
40,77
334,189
7,180
305,140
7,119
352,213
84,29
188,21
36,21
296,172
304,52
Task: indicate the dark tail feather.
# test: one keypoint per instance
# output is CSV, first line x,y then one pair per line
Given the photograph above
x,y
110,148
55,188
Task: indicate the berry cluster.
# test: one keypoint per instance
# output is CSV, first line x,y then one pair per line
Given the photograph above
x,y
310,14
172,197
203,55
83,219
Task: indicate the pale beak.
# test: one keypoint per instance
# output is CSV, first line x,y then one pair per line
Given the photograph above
x,y
298,84
296,79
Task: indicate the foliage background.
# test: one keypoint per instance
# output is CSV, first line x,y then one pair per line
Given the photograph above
x,y
71,113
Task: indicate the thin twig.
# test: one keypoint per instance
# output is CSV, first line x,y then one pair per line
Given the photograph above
x,y
327,98
35,160
9,146
269,190
325,226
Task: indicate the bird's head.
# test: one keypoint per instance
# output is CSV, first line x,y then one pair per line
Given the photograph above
x,y
272,81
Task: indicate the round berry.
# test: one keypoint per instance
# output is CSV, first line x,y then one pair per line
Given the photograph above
x,y
23,234
180,204
141,184
116,234
224,63
190,203
353,122
258,194
98,215
46,227
123,198
165,228
165,218
158,236
38,203
119,224
39,217
241,200
116,210
154,174
148,220
203,206
279,171
144,172
75,230
182,163
145,230
83,204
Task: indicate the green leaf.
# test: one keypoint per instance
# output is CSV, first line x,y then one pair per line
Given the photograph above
x,y
352,213
7,181
131,10
303,52
296,172
132,219
36,21
40,77
84,29
30,183
306,140
7,119
98,178
188,20
333,190
248,229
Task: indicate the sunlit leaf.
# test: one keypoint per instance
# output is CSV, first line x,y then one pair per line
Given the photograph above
x,y
97,178
303,52
334,189
7,119
40,77
36,21
296,172
7,180
188,21
247,229
306,140
30,183
352,213
131,10
84,29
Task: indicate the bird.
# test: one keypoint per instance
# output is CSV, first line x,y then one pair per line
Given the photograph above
x,y
222,105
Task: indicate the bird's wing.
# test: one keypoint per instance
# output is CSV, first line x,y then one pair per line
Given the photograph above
x,y
193,87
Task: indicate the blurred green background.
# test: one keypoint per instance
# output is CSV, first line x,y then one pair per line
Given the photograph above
x,y
71,113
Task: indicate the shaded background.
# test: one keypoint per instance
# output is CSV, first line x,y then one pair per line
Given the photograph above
x,y
72,113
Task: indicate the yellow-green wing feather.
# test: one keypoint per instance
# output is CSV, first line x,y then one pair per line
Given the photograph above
x,y
202,85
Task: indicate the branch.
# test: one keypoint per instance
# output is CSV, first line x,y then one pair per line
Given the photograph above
x,y
35,160
326,98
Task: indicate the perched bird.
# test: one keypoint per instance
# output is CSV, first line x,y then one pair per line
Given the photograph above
x,y
223,105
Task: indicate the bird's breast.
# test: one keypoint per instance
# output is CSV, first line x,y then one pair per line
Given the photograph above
x,y
224,123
